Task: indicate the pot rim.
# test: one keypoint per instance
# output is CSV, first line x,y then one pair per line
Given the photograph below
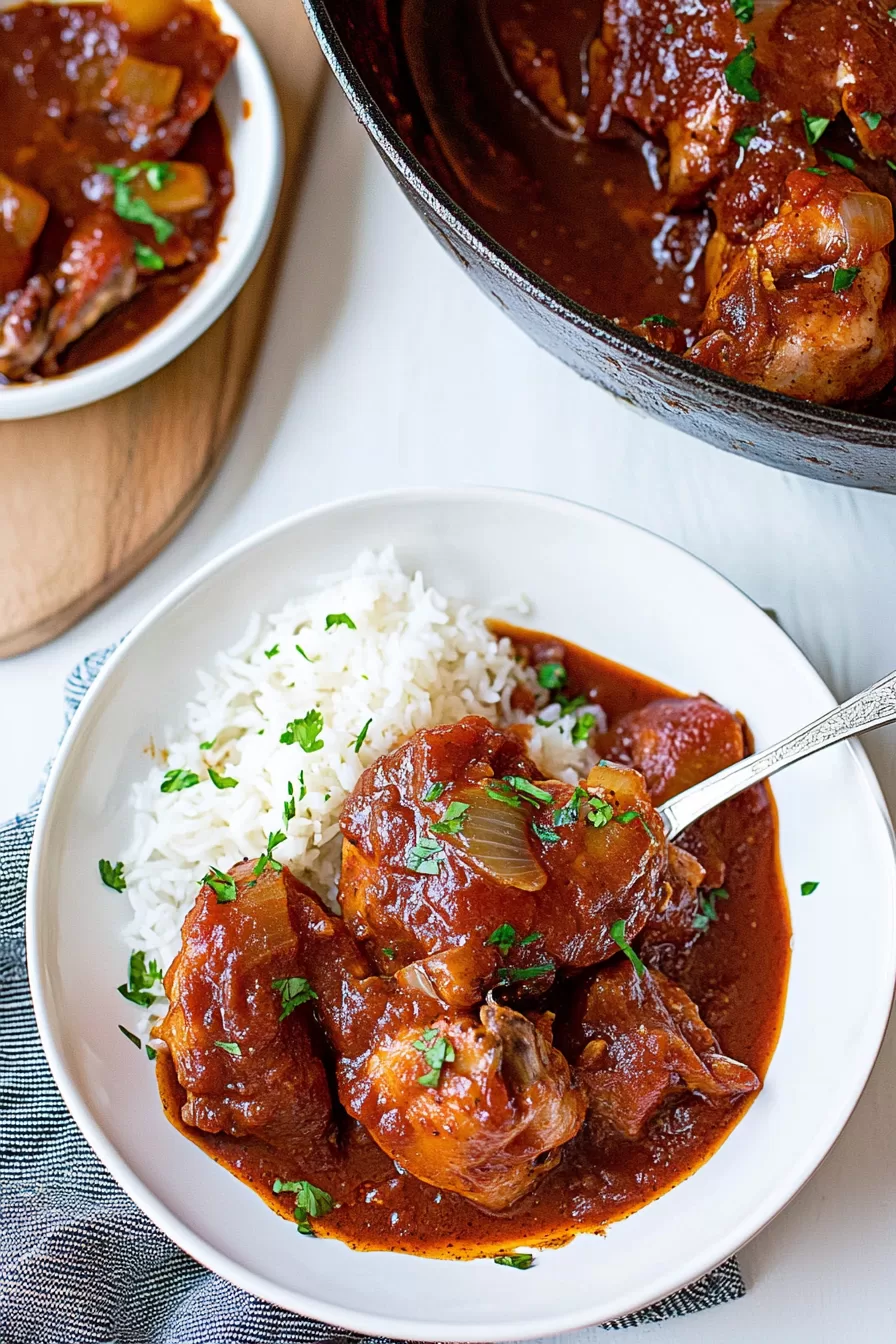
x,y
858,427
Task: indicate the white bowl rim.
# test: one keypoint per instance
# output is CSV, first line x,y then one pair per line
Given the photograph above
x,y
819,1140
219,283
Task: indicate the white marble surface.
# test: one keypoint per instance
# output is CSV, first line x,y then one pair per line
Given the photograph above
x,y
384,366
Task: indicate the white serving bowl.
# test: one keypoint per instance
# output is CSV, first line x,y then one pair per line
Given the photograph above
x,y
660,611
256,151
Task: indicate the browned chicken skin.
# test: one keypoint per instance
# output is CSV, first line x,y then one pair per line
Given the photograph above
x,y
475,1102
638,1041
270,1082
561,865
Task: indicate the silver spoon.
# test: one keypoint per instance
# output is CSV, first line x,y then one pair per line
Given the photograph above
x,y
872,708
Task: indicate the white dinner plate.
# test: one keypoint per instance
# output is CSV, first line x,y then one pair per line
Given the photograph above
x,y
600,582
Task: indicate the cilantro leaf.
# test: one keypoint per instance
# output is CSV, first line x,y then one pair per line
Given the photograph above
x,y
522,1261
843,160
340,618
564,816
872,120
617,933
359,740
658,320
425,857
434,793
739,73
267,859
272,651
112,875
745,136
503,938
134,1040
222,884
311,1202
528,789
807,888
452,820
437,1051
147,257
599,813
229,1048
743,10
545,834
814,127
305,732
221,781
552,676
844,278
509,975
175,780
294,991
707,912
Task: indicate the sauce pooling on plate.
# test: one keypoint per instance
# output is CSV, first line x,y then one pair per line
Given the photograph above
x,y
535,1016
114,174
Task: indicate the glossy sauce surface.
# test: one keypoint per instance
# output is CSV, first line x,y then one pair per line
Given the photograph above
x,y
736,973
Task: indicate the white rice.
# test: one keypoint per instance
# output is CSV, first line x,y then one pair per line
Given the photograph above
x,y
414,660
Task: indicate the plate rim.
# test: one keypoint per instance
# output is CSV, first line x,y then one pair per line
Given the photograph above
x,y
192,1243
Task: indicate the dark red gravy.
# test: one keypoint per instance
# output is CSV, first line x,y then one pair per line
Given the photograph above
x,y
737,974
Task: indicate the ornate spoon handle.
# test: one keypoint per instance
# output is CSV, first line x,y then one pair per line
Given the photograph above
x,y
869,709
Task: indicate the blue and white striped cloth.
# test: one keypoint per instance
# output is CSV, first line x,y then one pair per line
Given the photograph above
x,y
79,1263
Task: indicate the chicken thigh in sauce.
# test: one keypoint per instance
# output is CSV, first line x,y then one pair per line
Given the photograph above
x,y
535,1014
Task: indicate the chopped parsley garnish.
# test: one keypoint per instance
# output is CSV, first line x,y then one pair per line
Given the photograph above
x,y
528,789
437,1051
274,839
503,938
112,875
134,1040
272,651
506,937
843,160
134,208
289,805
566,815
708,913
569,704
743,10
745,135
207,746
844,278
302,790
305,732
625,817
425,856
617,933
340,618
147,257
452,821
300,650
807,888
891,165
582,727
221,781
141,979
872,120
510,975
891,13
545,834
819,172
359,740
230,1048
814,127
311,1202
501,792
739,73
294,991
175,780
222,884
669,29
522,1261
434,793
389,952
552,676
150,1053
659,320
599,812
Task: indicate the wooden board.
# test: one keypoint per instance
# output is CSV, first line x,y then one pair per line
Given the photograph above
x,y
88,497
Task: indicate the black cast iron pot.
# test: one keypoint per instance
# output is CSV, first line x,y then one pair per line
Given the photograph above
x,y
841,446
